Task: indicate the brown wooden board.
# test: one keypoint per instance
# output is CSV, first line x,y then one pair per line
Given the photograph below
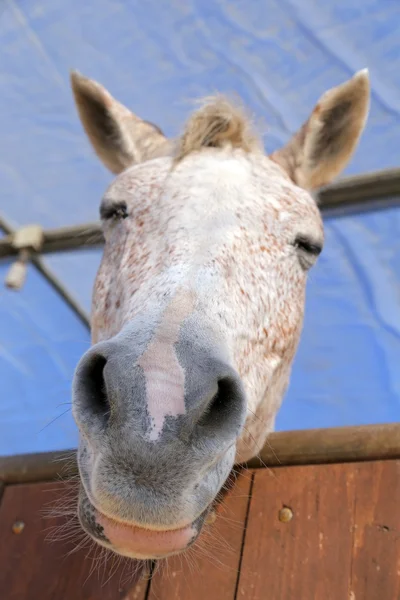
x,y
308,557
33,568
211,570
342,542
375,573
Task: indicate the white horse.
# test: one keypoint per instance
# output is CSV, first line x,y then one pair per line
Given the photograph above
x,y
197,306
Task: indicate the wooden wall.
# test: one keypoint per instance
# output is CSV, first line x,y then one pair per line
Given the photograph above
x,y
338,540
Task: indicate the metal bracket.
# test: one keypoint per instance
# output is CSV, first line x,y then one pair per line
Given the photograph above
x,y
26,240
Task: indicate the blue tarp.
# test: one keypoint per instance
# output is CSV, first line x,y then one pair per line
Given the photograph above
x,y
157,56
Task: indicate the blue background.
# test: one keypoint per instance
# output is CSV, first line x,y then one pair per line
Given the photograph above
x,y
156,57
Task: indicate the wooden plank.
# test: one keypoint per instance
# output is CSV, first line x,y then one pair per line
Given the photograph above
x,y
33,568
211,570
376,546
283,448
322,446
342,543
308,557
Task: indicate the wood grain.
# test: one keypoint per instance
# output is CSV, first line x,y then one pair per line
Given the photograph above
x,y
342,543
309,557
33,568
212,571
375,572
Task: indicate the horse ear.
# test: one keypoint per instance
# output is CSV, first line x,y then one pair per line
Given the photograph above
x,y
119,138
323,146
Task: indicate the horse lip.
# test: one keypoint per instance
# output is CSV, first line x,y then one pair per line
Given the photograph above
x,y
135,525
142,543
198,520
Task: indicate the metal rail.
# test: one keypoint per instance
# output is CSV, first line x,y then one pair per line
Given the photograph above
x,y
353,194
350,194
51,278
283,448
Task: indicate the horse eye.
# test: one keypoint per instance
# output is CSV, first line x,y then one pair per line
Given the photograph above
x,y
305,244
115,210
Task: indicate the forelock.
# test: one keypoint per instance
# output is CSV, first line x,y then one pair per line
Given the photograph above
x,y
218,123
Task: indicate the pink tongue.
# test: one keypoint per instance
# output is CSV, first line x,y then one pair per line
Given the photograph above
x,y
144,543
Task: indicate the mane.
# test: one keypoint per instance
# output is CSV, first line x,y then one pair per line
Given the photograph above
x,y
216,124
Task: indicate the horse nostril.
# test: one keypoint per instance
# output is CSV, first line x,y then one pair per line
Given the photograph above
x,y
220,402
93,392
225,406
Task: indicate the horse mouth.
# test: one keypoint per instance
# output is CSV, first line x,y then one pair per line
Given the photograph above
x,y
141,543
135,541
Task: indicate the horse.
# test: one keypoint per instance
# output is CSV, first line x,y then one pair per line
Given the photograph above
x,y
197,305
